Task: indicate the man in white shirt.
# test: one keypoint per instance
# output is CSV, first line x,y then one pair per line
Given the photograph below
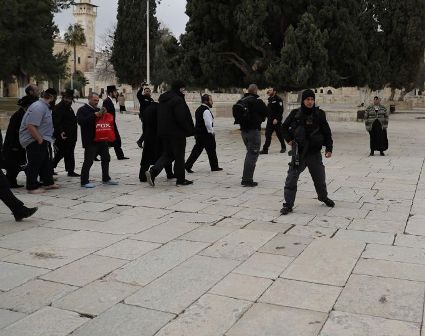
x,y
204,135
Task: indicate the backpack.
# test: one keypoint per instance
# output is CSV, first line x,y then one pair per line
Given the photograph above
x,y
241,111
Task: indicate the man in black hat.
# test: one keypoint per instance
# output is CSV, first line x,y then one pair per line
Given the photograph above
x,y
65,124
307,131
108,103
13,153
175,124
36,136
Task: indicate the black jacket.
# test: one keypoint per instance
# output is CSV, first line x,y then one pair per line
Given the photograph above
x,y
11,140
86,118
109,105
275,109
64,120
174,118
150,122
144,101
200,127
318,122
258,111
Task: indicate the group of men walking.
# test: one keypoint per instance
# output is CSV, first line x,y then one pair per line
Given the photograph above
x,y
166,126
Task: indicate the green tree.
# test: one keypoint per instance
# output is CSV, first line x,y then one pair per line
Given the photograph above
x,y
74,37
129,48
26,42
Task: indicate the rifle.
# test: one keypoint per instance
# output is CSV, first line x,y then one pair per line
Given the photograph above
x,y
295,162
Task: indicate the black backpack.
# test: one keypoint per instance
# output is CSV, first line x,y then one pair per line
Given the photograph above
x,y
241,111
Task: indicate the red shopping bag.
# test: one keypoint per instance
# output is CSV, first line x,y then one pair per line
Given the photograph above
x,y
105,128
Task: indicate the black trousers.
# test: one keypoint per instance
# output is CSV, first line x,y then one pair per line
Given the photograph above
x,y
207,142
65,150
152,151
173,150
117,144
14,161
39,164
6,195
90,152
314,163
270,128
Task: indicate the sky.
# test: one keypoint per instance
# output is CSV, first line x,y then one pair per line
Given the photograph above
x,y
171,13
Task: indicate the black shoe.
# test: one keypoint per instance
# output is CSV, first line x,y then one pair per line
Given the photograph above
x,y
286,209
327,201
184,183
283,150
150,177
264,151
139,143
143,180
217,169
24,212
249,183
73,174
96,159
189,170
290,153
123,158
170,177
372,154
382,154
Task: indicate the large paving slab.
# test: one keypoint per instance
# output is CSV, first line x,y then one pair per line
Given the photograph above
x,y
211,315
271,320
347,324
125,320
183,285
12,275
47,321
383,297
326,261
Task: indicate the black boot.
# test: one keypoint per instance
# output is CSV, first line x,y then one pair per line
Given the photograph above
x,y
184,183
264,151
382,154
327,201
286,209
150,177
24,212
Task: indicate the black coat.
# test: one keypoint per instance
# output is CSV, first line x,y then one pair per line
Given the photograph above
x,y
174,118
275,109
11,140
144,102
110,107
64,120
86,118
258,112
319,122
150,122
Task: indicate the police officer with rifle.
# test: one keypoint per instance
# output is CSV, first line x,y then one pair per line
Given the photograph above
x,y
307,131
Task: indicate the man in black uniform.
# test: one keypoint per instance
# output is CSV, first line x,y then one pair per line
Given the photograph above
x,y
274,121
307,131
14,154
145,99
65,125
19,210
204,135
251,133
175,124
152,149
108,103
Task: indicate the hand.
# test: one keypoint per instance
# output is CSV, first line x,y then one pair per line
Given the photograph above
x,y
328,155
40,142
275,122
63,136
98,114
290,143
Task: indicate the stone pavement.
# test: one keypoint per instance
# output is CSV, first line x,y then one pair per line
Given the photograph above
x,y
216,258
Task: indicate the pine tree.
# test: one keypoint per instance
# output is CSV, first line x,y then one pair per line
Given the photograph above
x,y
26,41
129,48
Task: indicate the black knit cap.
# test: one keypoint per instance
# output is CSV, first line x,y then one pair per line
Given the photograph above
x,y
51,91
177,85
27,101
307,94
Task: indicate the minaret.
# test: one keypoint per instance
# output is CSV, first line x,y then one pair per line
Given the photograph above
x,y
85,14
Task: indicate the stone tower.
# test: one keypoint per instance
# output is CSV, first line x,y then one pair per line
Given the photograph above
x,y
85,14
